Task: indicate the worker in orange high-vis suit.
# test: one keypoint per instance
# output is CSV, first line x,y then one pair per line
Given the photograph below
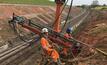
x,y
48,48
67,35
76,47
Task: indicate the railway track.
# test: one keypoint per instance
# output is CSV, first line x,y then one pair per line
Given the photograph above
x,y
77,20
14,51
17,51
17,54
22,52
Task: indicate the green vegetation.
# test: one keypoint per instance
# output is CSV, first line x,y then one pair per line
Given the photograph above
x,y
101,8
36,2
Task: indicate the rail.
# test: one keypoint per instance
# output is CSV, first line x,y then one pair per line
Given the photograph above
x,y
60,36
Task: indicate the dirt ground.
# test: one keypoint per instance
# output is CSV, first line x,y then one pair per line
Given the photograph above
x,y
42,14
95,34
6,12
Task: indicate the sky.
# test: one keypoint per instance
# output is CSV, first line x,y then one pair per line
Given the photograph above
x,y
87,2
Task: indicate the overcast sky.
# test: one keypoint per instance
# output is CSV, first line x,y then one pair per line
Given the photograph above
x,y
79,2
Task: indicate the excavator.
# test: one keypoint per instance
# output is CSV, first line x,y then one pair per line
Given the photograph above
x,y
55,34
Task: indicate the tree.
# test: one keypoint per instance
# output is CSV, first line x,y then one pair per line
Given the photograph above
x,y
104,4
95,3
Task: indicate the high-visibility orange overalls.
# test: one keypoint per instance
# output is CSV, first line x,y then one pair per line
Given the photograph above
x,y
48,50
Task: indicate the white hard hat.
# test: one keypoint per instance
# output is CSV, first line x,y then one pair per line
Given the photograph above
x,y
44,30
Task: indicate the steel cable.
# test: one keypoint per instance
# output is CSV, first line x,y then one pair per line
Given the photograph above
x,y
67,16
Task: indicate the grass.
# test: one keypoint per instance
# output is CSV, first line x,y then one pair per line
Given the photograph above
x,y
101,8
35,2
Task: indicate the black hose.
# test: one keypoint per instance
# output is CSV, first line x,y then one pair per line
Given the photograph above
x,y
67,16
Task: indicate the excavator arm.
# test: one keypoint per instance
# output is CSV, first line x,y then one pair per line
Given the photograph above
x,y
59,4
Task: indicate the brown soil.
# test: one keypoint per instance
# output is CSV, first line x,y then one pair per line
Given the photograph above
x,y
95,34
6,12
